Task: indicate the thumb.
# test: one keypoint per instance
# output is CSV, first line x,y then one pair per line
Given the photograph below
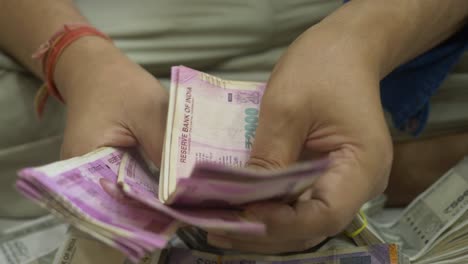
x,y
150,139
280,135
149,132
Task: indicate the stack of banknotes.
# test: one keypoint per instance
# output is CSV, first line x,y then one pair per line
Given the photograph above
x,y
33,242
433,228
80,249
117,197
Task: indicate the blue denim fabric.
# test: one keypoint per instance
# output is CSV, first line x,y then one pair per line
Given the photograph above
x,y
406,91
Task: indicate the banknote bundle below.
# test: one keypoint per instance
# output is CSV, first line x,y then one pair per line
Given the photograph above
x,y
433,229
379,253
19,244
79,249
112,195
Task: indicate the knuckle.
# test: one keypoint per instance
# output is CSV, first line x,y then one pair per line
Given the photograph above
x,y
261,163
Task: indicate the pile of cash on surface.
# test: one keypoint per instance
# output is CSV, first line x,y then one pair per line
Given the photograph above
x,y
33,242
433,228
116,197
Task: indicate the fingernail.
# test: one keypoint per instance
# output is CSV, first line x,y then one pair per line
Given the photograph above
x,y
219,241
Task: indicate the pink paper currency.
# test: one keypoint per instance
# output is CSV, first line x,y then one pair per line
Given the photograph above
x,y
213,185
209,119
210,131
138,183
88,185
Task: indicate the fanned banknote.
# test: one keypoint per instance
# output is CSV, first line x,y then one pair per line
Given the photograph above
x,y
215,186
84,191
139,184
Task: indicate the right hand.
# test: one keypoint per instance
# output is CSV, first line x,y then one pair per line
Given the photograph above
x,y
110,101
322,99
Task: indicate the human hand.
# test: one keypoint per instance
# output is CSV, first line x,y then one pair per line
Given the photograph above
x,y
322,99
110,101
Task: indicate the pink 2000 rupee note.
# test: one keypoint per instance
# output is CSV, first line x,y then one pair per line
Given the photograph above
x,y
216,186
209,119
210,131
88,184
45,199
133,249
138,183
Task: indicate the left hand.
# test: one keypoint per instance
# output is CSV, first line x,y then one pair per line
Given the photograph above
x,y
322,97
110,100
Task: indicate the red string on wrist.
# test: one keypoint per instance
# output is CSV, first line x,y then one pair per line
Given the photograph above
x,y
50,52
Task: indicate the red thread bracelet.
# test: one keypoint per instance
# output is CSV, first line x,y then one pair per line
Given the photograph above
x,y
50,52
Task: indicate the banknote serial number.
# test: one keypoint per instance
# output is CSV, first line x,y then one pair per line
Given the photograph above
x,y
457,204
251,123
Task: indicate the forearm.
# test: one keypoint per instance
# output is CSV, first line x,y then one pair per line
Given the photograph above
x,y
26,24
390,33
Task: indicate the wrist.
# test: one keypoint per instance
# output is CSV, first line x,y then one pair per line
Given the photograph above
x,y
370,37
81,59
337,49
392,33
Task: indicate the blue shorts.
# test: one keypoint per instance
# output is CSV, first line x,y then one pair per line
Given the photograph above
x,y
406,91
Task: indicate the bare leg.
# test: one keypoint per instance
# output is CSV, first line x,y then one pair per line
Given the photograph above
x,y
418,164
